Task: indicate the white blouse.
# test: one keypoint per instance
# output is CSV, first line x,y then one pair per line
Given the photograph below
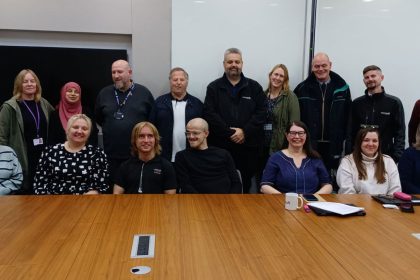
x,y
348,176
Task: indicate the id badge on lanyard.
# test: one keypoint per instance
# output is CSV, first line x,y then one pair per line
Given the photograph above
x,y
38,141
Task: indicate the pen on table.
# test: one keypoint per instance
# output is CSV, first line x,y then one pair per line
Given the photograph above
x,y
306,208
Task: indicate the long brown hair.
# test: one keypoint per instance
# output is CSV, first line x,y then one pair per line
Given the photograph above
x,y
358,158
307,146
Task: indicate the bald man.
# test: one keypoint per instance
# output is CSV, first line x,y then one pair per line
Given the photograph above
x,y
204,169
325,107
118,108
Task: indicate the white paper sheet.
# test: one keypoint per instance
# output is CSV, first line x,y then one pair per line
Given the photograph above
x,y
335,207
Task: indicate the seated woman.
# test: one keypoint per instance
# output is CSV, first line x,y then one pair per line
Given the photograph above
x,y
296,168
73,167
367,170
11,176
70,104
146,171
409,167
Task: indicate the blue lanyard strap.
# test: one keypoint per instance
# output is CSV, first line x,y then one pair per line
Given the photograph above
x,y
37,119
121,105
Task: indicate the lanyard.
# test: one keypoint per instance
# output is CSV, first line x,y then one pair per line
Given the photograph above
x,y
36,119
121,105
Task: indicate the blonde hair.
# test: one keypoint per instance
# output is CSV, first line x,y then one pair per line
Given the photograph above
x,y
286,77
136,132
78,117
17,87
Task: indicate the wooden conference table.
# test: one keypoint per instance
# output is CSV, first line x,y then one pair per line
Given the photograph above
x,y
203,237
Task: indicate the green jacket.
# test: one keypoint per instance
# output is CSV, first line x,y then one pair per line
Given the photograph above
x,y
285,111
12,130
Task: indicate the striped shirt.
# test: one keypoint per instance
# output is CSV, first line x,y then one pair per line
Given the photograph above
x,y
10,171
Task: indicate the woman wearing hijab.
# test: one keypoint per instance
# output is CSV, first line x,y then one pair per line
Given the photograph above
x,y
70,104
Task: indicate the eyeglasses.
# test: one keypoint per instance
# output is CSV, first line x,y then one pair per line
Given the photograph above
x,y
296,133
192,133
372,126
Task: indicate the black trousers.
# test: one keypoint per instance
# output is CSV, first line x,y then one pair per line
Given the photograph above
x,y
323,148
114,165
246,161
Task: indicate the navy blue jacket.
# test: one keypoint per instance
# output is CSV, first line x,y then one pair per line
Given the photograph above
x,y
409,169
164,119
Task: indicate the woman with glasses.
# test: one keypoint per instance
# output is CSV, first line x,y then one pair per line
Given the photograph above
x,y
296,168
367,170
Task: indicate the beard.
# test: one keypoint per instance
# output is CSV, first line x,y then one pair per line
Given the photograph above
x,y
372,85
233,73
119,85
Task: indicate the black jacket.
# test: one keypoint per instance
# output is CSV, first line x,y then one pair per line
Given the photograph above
x,y
335,126
245,110
163,119
386,112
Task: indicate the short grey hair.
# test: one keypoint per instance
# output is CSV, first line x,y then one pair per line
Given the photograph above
x,y
232,50
175,69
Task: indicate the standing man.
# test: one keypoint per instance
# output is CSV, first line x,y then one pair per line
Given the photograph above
x,y
173,111
380,110
118,108
325,107
235,108
204,169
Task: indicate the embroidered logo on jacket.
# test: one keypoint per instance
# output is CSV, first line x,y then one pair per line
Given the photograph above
x,y
157,171
386,113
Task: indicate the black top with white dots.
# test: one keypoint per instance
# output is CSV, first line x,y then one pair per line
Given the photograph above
x,y
62,172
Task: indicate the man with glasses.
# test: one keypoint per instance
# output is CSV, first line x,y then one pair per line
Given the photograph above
x,y
204,169
377,109
235,108
118,108
325,107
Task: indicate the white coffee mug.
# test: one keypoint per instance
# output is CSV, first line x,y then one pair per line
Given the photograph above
x,y
293,201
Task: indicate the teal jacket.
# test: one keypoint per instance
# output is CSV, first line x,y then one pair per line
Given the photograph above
x,y
285,111
12,130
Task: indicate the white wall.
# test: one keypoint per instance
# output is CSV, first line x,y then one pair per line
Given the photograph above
x,y
140,26
161,34
383,32
95,16
267,31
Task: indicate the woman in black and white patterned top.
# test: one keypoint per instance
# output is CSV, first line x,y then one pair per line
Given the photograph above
x,y
73,167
